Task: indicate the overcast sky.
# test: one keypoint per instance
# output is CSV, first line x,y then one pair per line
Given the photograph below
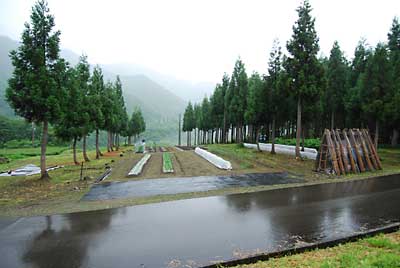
x,y
199,40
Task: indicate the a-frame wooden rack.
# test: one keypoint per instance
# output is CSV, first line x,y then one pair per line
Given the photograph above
x,y
347,151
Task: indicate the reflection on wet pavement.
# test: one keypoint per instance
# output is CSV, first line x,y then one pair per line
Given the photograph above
x,y
199,231
151,187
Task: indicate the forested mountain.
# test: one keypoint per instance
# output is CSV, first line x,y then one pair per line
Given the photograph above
x,y
160,106
186,90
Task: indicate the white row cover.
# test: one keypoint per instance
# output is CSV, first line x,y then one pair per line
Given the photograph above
x,y
309,153
137,169
213,159
27,170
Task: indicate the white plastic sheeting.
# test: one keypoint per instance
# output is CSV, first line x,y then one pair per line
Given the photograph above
x,y
213,159
137,169
309,153
27,170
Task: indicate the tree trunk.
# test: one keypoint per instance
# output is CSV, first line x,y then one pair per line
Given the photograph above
x,y
258,137
395,137
129,140
332,120
85,157
74,151
108,141
302,138
117,141
112,142
98,153
376,135
43,172
33,134
298,129
224,129
273,136
212,136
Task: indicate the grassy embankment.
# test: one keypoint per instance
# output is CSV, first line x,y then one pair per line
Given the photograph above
x,y
25,196
381,251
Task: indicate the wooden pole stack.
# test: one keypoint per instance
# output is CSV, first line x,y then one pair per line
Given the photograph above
x,y
347,151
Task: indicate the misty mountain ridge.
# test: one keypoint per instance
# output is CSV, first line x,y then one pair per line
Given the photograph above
x,y
187,90
158,104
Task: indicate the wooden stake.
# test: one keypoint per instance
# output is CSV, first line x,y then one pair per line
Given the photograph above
x,y
344,158
356,146
365,151
378,161
353,164
338,153
332,153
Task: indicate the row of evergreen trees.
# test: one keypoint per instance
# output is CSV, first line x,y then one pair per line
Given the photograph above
x,y
90,105
45,89
302,94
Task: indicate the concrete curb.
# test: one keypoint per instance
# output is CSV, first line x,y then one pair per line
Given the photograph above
x,y
265,256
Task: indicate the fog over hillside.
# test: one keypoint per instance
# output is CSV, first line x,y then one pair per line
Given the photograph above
x,y
161,98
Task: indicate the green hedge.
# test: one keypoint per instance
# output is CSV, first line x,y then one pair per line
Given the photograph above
x,y
311,143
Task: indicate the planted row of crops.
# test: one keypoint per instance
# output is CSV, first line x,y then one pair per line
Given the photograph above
x,y
167,163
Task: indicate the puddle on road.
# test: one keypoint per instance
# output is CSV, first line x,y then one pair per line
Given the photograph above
x,y
198,231
152,187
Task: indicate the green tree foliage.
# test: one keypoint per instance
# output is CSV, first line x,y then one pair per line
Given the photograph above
x,y
392,107
189,122
352,97
336,85
95,105
136,125
376,84
256,103
36,87
14,129
275,94
302,64
238,90
74,121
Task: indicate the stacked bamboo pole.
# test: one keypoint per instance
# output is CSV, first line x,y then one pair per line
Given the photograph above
x,y
347,151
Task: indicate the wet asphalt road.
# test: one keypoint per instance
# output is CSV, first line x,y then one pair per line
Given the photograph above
x,y
199,231
151,187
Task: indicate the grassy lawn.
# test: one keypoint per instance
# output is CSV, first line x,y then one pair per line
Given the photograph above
x,y
30,196
381,251
27,196
280,162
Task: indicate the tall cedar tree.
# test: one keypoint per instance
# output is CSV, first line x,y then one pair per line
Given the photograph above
x,y
205,122
36,87
302,64
275,86
188,123
352,97
73,122
122,117
197,121
238,88
392,109
337,84
83,77
375,85
255,111
95,105
136,125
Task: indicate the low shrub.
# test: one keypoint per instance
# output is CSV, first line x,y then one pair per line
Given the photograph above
x,y
311,143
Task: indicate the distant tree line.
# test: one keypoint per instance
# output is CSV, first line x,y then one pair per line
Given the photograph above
x,y
45,89
301,93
